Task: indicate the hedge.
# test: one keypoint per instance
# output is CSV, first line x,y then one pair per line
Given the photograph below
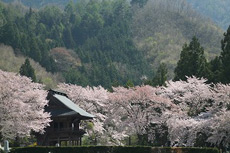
x,y
184,150
112,149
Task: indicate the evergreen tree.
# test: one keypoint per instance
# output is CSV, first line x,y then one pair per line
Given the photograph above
x,y
68,38
97,30
141,3
8,34
161,75
225,56
129,84
27,70
35,52
216,70
192,61
69,9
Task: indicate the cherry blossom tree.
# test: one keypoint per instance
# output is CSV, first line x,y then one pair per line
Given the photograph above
x,y
123,112
193,112
205,110
220,125
185,131
193,95
220,130
22,105
136,110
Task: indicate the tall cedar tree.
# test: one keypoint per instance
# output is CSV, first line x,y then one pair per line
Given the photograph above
x,y
161,75
216,70
225,56
27,70
192,61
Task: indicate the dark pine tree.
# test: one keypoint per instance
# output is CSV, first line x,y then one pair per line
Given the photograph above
x,y
68,38
27,70
192,61
225,56
161,75
35,52
216,69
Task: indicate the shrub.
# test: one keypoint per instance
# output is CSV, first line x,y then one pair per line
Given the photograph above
x,y
110,149
184,150
120,149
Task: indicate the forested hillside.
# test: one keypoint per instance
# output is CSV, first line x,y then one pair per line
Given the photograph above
x,y
10,62
98,32
161,28
107,42
41,3
217,10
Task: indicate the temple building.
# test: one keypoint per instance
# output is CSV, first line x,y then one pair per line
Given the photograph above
x,y
66,117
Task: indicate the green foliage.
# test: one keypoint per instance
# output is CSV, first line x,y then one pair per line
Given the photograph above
x,y
225,56
75,77
161,28
216,70
12,63
21,32
97,31
218,11
129,84
185,150
109,149
192,61
41,3
113,40
141,3
92,149
220,66
138,149
160,77
27,70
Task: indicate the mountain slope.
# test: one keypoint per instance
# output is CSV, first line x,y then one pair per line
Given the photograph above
x,y
217,10
98,32
41,3
112,41
162,27
12,63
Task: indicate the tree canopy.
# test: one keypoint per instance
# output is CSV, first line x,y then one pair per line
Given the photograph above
x,y
27,70
180,113
192,61
225,56
21,106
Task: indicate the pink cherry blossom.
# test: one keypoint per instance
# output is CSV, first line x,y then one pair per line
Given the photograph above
x,y
22,105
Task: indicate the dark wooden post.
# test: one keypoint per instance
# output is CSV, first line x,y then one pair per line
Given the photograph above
x,y
129,140
95,143
80,141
